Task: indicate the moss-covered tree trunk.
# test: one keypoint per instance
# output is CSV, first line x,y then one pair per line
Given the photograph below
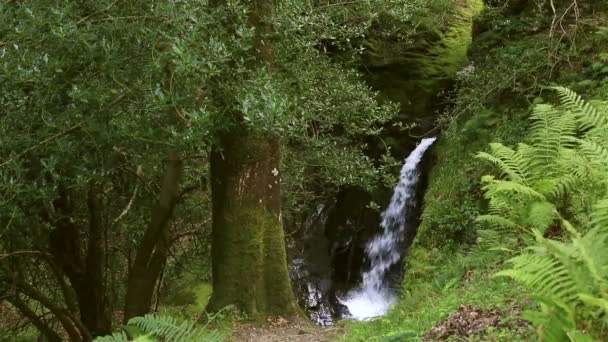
x,y
249,261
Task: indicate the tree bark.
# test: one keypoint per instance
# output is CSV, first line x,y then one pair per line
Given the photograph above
x,y
152,252
93,296
86,274
249,261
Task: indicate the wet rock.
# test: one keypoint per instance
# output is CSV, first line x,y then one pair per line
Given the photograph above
x,y
327,253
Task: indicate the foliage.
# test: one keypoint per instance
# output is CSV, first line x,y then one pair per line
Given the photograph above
x,y
166,328
542,184
100,92
491,104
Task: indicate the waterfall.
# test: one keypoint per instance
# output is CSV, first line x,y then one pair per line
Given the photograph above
x,y
373,298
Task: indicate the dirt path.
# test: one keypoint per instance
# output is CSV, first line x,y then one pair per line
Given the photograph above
x,y
280,330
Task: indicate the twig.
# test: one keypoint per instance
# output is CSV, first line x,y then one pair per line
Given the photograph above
x,y
9,223
53,137
4,256
341,4
97,12
128,207
554,19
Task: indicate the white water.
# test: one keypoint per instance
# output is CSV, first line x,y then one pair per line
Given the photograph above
x,y
373,298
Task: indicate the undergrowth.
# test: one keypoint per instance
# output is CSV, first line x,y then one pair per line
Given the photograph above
x,y
452,262
438,283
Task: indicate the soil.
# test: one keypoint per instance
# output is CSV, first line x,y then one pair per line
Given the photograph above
x,y
471,321
279,329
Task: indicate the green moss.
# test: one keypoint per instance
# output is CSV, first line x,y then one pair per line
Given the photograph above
x,y
252,271
446,57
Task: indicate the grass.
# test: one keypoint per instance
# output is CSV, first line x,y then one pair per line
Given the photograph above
x,y
431,297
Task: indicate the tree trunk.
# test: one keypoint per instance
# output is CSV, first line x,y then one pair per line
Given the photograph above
x,y
86,274
152,251
94,306
249,261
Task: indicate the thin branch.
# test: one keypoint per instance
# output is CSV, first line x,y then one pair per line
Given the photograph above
x,y
10,221
97,12
34,319
51,138
7,255
340,4
67,321
130,204
554,19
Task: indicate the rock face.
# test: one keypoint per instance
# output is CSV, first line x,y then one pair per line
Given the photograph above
x,y
327,253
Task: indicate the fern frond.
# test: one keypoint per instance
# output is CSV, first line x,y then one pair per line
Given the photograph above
x,y
545,274
500,206
115,337
553,321
594,151
601,303
552,131
600,215
509,161
587,114
563,185
496,220
509,187
170,329
558,178
541,214
593,253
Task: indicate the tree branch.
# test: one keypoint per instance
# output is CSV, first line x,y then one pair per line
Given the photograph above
x,y
66,320
51,138
8,255
128,207
28,313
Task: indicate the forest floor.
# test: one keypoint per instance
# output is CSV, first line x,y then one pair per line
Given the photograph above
x,y
279,329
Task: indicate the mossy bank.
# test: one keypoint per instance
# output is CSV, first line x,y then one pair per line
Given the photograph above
x,y
518,49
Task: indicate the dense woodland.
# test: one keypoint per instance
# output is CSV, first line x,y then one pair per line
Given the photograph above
x,y
159,158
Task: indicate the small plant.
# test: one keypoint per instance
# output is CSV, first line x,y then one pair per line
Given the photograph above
x,y
167,328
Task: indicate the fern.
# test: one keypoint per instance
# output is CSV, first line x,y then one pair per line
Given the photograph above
x,y
587,115
564,172
171,329
509,161
594,152
497,221
167,328
552,130
600,214
115,337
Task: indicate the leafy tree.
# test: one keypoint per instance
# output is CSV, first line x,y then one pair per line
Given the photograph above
x,y
248,249
110,110
98,95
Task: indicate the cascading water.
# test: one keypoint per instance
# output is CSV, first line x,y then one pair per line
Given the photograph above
x,y
373,298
